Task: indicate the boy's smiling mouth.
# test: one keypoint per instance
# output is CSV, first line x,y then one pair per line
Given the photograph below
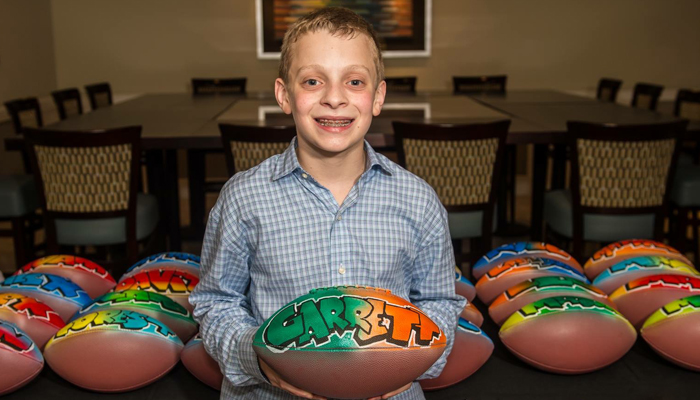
x,y
334,122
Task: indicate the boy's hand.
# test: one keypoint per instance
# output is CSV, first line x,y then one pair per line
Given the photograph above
x,y
277,381
394,393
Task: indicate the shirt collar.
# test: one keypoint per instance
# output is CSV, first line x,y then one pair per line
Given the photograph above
x,y
288,161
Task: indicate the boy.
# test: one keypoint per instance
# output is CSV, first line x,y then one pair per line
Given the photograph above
x,y
328,211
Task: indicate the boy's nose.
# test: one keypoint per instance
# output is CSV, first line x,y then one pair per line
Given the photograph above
x,y
334,96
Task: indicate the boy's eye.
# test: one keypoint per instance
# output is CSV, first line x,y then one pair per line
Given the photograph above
x,y
356,82
311,82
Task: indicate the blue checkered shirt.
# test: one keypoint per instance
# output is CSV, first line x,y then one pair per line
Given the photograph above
x,y
275,233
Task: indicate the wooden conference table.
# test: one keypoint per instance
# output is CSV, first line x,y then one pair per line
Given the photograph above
x,y
182,121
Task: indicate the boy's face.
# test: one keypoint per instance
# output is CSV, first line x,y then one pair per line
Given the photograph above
x,y
331,92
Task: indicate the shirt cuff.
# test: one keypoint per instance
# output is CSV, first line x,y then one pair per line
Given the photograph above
x,y
247,357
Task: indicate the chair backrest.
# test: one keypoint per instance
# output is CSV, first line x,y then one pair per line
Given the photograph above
x,y
246,146
100,95
68,102
687,104
461,162
218,86
622,169
86,174
607,89
480,84
405,84
646,96
25,113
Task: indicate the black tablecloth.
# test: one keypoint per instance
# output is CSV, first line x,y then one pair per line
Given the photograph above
x,y
640,374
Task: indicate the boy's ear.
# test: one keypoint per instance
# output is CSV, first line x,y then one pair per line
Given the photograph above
x,y
282,96
379,98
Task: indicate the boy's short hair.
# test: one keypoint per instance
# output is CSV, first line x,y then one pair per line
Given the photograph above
x,y
338,21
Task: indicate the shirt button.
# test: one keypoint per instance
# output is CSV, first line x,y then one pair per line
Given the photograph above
x,y
339,217
304,176
341,270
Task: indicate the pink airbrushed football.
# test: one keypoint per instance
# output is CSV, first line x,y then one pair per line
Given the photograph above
x,y
349,342
568,335
113,351
20,358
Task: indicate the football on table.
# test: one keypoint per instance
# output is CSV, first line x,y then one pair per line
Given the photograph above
x,y
113,351
166,261
510,251
20,358
59,293
568,335
638,267
196,359
90,276
35,318
471,349
625,249
673,331
349,342
524,293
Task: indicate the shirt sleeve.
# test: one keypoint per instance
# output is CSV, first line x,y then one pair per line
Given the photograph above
x,y
433,280
221,307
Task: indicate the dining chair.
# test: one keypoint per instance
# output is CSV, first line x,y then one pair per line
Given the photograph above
x,y
687,104
495,84
685,196
18,198
607,89
87,186
405,84
247,146
646,96
462,163
24,113
200,183
620,183
219,85
100,95
479,84
18,205
68,102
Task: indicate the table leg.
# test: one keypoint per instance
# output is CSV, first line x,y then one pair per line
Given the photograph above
x,y
502,195
559,166
539,172
505,197
155,175
196,174
155,179
173,201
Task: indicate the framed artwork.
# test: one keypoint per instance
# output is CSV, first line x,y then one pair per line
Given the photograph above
x,y
403,26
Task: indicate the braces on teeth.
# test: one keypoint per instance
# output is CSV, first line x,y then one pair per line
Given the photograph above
x,y
334,123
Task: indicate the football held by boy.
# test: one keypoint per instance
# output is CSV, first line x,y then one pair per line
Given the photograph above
x,y
328,211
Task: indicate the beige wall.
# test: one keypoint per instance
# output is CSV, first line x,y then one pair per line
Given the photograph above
x,y
26,49
158,45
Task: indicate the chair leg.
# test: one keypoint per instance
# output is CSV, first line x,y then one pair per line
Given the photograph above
x,y
686,219
512,172
457,248
679,223
578,249
20,243
695,229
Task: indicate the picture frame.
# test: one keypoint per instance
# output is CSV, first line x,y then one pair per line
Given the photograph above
x,y
404,26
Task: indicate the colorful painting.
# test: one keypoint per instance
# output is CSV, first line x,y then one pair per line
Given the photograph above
x,y
403,25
